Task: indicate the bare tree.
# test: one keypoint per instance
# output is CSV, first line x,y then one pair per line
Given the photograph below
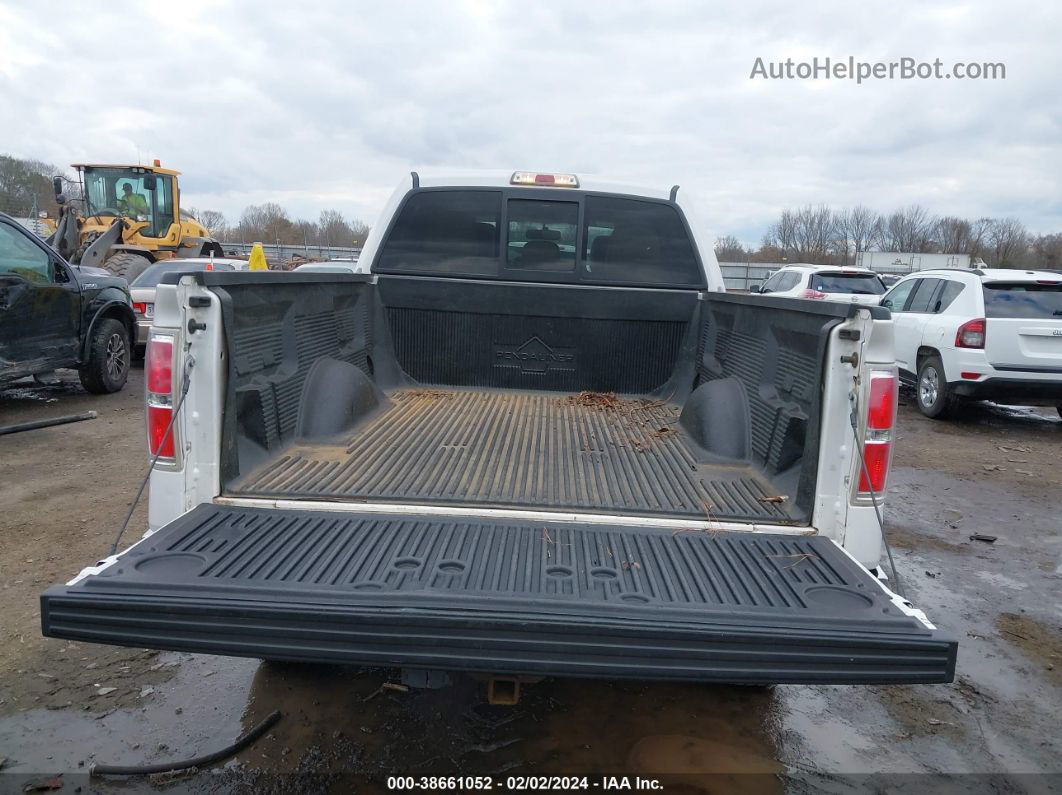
x,y
267,223
864,227
1008,242
767,253
26,186
360,230
729,249
908,229
954,235
781,235
333,230
1047,251
307,233
814,233
213,220
979,237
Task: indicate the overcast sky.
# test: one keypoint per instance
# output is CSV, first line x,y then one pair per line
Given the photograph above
x,y
322,104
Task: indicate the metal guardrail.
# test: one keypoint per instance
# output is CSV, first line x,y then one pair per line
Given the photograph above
x,y
284,252
739,275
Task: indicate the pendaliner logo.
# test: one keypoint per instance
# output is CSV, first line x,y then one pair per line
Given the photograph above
x,y
534,356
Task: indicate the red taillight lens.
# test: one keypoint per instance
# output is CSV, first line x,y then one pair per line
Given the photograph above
x,y
809,293
159,442
971,334
158,364
139,308
877,443
881,411
877,457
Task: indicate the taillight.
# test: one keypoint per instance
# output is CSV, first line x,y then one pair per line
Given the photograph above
x,y
971,334
158,364
809,293
139,308
877,441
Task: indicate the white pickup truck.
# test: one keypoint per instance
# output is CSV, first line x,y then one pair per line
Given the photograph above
x,y
534,437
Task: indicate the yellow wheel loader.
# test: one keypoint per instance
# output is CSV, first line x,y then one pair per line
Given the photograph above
x,y
131,218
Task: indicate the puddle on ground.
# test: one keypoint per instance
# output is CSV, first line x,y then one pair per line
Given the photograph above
x,y
184,717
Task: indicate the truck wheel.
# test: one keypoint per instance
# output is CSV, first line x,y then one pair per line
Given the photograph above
x,y
935,398
127,265
107,366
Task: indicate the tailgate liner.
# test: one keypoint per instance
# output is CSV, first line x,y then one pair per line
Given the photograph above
x,y
513,597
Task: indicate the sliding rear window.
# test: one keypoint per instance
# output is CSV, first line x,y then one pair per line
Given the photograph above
x,y
637,242
446,233
522,235
1023,299
856,283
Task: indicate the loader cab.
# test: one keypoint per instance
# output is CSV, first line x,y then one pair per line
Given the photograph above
x,y
142,195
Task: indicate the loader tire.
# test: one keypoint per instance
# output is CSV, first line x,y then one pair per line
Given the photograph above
x,y
127,265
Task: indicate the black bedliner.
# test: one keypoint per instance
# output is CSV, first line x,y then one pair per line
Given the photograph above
x,y
529,449
497,596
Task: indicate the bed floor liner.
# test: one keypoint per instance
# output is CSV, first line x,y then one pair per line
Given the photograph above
x,y
502,597
552,451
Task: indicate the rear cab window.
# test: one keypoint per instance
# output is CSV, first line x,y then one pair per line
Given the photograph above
x,y
857,283
1023,300
526,235
542,235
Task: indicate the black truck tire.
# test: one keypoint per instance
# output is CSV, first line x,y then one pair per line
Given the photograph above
x,y
935,398
107,366
127,265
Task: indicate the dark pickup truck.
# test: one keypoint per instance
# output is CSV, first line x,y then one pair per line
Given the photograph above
x,y
535,437
53,314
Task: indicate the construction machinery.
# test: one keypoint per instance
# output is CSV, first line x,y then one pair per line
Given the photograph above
x,y
130,217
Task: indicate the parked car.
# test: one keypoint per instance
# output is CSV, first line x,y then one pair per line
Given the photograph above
x,y
825,283
982,334
332,266
517,460
53,315
143,287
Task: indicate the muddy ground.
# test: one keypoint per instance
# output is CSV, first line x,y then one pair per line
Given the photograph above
x,y
995,471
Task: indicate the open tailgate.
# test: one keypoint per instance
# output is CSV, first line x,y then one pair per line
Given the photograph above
x,y
498,596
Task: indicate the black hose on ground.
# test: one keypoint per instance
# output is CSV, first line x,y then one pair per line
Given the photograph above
x,y
199,761
48,423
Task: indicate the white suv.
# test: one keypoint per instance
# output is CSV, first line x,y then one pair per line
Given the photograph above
x,y
825,283
983,334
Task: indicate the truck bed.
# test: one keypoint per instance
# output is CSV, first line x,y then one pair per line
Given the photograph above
x,y
514,597
589,451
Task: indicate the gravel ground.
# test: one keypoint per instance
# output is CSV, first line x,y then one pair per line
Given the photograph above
x,y
994,471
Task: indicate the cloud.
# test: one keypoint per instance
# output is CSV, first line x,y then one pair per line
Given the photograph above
x,y
329,104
